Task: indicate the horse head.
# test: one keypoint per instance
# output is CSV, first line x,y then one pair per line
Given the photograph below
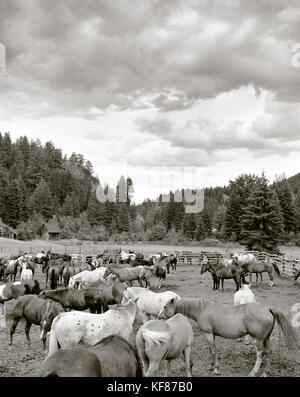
x,y
47,318
168,309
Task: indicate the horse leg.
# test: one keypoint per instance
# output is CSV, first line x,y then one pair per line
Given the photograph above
x,y
267,351
214,364
259,345
237,283
271,279
27,330
13,328
222,281
187,359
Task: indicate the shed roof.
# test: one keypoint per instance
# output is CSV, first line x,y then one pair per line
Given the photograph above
x,y
52,228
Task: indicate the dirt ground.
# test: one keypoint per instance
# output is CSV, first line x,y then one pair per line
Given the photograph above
x,y
236,358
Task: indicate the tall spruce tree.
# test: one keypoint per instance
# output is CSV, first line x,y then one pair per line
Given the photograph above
x,y
262,222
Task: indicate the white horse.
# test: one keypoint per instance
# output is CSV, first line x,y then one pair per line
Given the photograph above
x,y
244,258
26,274
71,328
88,276
149,303
242,296
125,256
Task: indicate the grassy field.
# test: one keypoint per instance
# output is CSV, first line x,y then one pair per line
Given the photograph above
x,y
10,247
236,358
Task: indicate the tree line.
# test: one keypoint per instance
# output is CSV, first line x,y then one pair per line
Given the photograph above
x,y
38,183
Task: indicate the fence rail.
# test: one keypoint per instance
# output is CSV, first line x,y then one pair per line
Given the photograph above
x,y
287,265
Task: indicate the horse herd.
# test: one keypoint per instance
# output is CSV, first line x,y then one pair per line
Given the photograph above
x,y
96,343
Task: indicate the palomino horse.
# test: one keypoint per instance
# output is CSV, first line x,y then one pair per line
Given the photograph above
x,y
88,276
233,322
159,340
69,298
127,274
259,268
35,311
149,303
69,329
113,356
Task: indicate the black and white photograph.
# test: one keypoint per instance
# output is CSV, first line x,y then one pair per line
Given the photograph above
x,y
149,191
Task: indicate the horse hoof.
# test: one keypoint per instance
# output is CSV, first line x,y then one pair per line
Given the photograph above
x,y
264,375
216,371
251,375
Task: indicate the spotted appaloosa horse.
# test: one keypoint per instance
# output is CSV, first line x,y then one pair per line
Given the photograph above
x,y
69,329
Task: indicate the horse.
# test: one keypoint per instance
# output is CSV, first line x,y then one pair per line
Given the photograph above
x,y
67,273
296,273
242,296
219,271
113,356
12,290
112,291
53,273
88,276
233,322
26,273
159,269
83,299
11,269
149,303
35,311
159,340
128,274
69,329
260,267
2,268
127,257
171,261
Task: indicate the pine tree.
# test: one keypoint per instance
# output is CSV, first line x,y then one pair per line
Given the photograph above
x,y
41,200
11,216
240,190
67,208
189,225
285,197
262,221
206,221
200,233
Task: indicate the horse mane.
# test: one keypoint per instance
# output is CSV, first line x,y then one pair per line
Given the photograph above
x,y
190,307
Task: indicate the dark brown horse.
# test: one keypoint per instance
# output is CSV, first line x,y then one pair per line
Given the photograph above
x,y
113,292
220,271
233,322
113,356
35,311
296,273
70,298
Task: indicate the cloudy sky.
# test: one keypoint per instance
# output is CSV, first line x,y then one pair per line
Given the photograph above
x,y
174,93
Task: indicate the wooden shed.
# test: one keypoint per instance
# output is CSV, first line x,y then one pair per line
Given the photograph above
x,y
51,231
7,231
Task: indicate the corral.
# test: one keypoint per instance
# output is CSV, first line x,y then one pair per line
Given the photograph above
x,y
236,358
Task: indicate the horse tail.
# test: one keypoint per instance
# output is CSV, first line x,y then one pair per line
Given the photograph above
x,y
52,279
53,342
276,268
154,337
140,344
290,334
